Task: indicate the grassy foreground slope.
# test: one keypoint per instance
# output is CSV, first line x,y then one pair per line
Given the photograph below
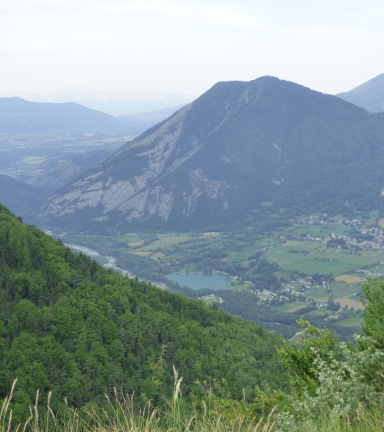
x,y
69,326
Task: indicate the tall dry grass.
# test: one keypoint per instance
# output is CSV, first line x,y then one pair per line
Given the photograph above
x,y
125,417
217,415
363,420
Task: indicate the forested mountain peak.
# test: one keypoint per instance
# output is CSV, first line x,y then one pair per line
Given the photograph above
x,y
239,145
69,326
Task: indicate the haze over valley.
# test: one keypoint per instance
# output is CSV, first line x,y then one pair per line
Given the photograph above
x,y
191,216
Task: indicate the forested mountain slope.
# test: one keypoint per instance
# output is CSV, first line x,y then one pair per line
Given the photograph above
x,y
56,177
238,146
72,327
369,95
20,197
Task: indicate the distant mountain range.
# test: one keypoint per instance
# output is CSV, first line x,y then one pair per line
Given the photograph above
x,y
20,116
136,124
112,102
369,95
240,148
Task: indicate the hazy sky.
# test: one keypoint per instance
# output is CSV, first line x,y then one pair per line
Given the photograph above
x,y
187,46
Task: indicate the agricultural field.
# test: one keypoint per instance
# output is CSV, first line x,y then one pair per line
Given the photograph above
x,y
351,321
349,279
291,307
165,241
311,266
267,260
320,259
319,295
317,312
158,255
342,289
351,303
318,230
136,243
132,238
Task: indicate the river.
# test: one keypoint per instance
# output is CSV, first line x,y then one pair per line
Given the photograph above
x,y
111,261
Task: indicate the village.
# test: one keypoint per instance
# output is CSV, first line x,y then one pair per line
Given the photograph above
x,y
377,234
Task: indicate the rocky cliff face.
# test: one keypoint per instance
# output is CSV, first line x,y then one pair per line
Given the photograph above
x,y
237,146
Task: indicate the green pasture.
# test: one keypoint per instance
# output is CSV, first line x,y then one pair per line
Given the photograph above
x,y
317,312
177,256
263,243
310,267
354,260
165,242
320,295
351,321
268,241
324,261
305,245
366,257
362,275
129,238
235,257
214,243
342,289
288,306
248,251
282,258
200,242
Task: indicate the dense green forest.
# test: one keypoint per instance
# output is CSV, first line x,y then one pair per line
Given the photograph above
x,y
69,326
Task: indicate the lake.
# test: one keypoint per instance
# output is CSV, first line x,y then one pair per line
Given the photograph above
x,y
196,281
